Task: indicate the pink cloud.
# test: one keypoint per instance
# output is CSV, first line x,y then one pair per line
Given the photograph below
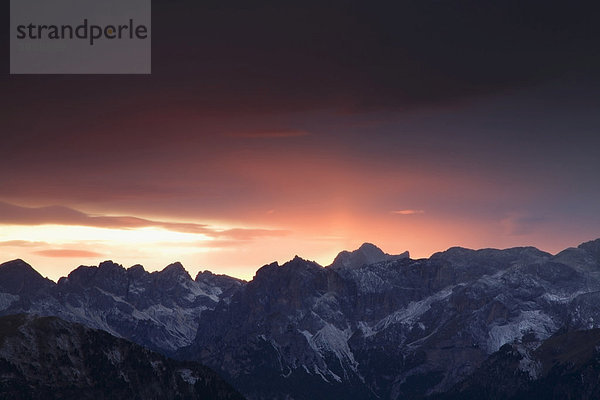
x,y
408,212
21,243
18,215
270,134
67,253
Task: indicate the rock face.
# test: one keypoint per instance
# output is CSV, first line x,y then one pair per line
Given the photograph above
x,y
366,254
565,366
159,310
370,326
393,329
48,358
19,278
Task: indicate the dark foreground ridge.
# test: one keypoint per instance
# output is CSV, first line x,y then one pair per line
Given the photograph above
x,y
48,358
370,326
565,366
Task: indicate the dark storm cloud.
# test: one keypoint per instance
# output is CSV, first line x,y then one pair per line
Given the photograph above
x,y
353,55
217,62
356,54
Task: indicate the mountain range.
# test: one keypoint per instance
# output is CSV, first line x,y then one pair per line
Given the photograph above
x,y
369,326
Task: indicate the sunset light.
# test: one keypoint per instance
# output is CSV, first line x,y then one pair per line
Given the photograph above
x,y
328,200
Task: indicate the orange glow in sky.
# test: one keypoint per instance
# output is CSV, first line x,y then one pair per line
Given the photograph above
x,y
232,193
55,249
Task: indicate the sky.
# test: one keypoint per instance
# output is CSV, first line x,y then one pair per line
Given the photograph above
x,y
273,129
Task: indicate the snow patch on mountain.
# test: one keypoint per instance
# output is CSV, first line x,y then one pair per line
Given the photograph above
x,y
413,311
334,340
528,321
528,363
562,298
365,328
188,376
201,290
6,299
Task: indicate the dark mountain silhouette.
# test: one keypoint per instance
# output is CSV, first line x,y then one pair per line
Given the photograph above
x,y
366,254
48,358
18,277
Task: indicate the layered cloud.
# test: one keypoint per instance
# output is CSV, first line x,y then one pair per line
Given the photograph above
x,y
11,214
67,253
408,212
21,243
269,134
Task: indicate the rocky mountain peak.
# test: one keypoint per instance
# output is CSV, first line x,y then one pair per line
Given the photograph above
x,y
452,253
136,271
370,247
204,274
174,271
297,271
222,281
265,270
108,276
299,263
16,266
109,271
17,276
592,247
109,265
366,254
